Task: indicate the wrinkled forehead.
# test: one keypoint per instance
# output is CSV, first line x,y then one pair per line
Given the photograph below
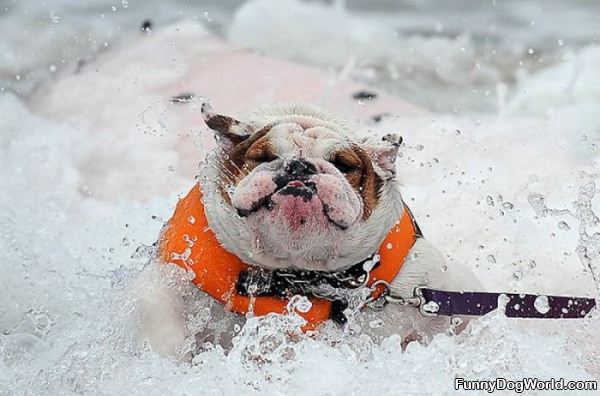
x,y
310,141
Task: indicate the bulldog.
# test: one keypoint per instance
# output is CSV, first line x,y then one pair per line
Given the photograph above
x,y
295,192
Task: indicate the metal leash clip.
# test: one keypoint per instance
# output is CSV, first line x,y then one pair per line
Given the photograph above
x,y
426,308
416,301
386,297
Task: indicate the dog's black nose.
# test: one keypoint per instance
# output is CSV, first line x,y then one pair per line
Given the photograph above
x,y
299,168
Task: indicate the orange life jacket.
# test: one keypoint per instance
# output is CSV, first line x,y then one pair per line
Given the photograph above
x,y
188,241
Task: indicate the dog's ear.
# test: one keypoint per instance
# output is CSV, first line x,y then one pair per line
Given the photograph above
x,y
384,152
229,131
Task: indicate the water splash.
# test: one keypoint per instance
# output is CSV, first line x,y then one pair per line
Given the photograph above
x,y
588,246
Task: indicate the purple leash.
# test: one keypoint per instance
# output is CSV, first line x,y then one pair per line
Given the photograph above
x,y
433,302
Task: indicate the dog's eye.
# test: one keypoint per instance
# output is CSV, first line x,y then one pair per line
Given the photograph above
x,y
260,155
346,161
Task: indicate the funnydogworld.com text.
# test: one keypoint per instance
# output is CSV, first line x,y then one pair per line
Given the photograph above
x,y
523,384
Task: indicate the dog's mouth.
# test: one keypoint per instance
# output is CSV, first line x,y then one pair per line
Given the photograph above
x,y
304,190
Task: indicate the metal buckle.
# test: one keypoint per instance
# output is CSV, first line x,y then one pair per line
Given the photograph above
x,y
426,308
418,300
386,297
414,301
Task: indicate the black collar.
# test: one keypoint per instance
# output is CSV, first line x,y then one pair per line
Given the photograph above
x,y
285,283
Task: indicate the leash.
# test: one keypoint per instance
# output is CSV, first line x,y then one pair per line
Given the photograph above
x,y
429,302
433,302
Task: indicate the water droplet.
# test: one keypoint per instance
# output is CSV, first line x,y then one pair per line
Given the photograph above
x,y
532,264
300,303
191,219
41,321
54,18
189,241
517,275
368,265
491,259
507,205
537,203
489,200
431,307
389,246
374,324
563,225
541,304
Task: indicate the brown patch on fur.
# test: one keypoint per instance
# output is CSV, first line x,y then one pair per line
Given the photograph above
x,y
347,160
223,124
233,165
356,165
261,151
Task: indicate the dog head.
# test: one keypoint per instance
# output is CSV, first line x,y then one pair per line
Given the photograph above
x,y
293,188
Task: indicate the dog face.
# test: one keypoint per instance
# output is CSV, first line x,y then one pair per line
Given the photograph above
x,y
294,189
